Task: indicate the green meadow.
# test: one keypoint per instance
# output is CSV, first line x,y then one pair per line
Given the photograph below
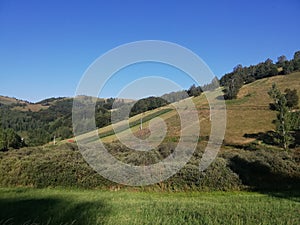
x,y
73,206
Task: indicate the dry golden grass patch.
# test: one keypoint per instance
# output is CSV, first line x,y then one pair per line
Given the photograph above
x,y
250,113
31,107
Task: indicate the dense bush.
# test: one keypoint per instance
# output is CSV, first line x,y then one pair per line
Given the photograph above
x,y
48,167
267,170
292,98
10,139
233,170
146,104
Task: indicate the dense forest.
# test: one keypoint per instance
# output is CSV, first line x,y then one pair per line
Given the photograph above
x,y
36,128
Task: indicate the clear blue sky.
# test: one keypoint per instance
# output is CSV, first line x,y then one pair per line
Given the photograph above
x,y
45,46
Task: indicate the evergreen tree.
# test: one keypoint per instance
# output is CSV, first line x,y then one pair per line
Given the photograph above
x,y
296,61
297,55
233,87
194,91
283,121
281,60
292,98
3,140
9,139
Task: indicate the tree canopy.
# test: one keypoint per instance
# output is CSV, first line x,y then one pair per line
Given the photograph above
x,y
240,75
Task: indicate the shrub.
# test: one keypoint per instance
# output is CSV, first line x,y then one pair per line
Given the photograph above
x,y
233,169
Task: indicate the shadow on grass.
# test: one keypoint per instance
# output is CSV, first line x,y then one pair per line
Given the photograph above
x,y
267,137
270,136
293,195
52,211
296,136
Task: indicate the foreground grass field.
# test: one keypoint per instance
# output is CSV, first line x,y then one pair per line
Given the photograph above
x,y
63,206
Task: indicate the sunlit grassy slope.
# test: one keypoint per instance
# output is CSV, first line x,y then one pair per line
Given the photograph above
x,y
248,114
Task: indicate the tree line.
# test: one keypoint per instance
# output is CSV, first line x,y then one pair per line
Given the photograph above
x,y
240,75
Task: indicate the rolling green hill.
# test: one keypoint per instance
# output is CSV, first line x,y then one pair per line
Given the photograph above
x,y
245,160
247,116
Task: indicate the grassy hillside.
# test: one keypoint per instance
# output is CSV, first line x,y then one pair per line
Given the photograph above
x,y
24,106
21,105
248,116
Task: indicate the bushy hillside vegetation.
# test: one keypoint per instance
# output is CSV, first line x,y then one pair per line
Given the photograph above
x,y
253,168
